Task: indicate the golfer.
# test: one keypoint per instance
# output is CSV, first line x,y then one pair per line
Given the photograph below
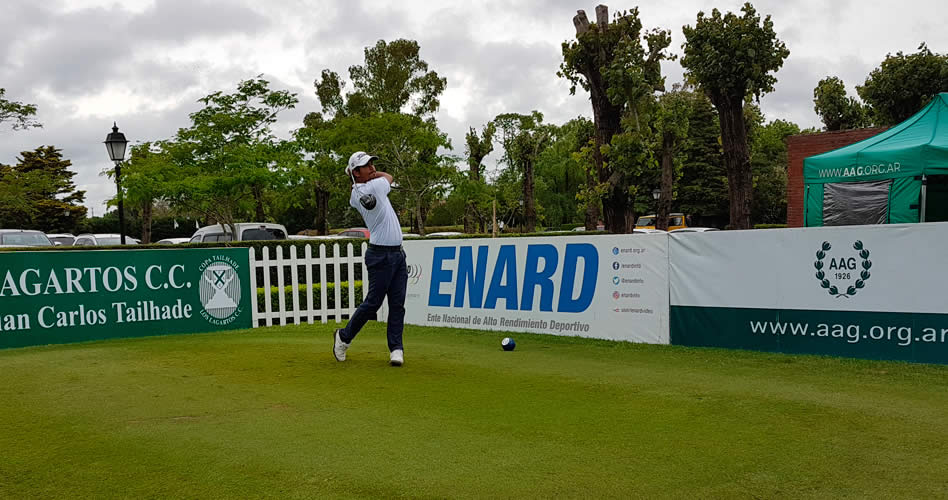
x,y
385,258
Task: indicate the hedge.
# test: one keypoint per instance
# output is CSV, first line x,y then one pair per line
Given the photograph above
x,y
301,293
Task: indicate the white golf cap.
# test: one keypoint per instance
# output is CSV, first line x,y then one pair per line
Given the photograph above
x,y
359,159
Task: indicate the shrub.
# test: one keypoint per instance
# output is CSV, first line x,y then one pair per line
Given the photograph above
x,y
317,292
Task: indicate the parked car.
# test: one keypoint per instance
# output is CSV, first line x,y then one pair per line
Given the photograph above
x,y
23,238
103,240
444,233
173,241
61,239
246,231
599,227
676,220
355,232
410,235
314,237
694,230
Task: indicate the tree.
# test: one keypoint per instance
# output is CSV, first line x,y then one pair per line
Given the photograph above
x,y
732,57
835,108
407,147
609,61
702,189
560,174
903,84
372,118
671,126
21,115
145,176
229,155
524,137
769,165
472,187
38,193
393,77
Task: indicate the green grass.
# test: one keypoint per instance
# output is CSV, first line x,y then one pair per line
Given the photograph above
x,y
270,413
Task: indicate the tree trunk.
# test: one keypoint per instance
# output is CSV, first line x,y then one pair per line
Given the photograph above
x,y
592,206
529,207
258,196
469,218
615,204
740,181
146,222
618,212
668,173
321,222
419,217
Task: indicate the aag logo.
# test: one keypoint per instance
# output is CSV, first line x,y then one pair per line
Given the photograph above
x,y
846,273
514,282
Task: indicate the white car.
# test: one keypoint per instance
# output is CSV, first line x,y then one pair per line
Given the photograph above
x,y
246,231
103,240
23,238
315,237
61,239
172,241
444,233
694,230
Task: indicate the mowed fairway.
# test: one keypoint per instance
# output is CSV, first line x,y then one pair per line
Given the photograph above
x,y
270,413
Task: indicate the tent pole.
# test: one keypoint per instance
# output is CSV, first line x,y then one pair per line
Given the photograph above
x,y
806,197
921,213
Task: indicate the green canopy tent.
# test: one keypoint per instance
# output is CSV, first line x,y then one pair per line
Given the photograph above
x,y
898,176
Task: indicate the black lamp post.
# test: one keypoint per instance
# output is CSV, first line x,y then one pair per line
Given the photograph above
x,y
115,143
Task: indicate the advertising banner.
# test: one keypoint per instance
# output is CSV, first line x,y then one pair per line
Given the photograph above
x,y
863,291
60,297
606,287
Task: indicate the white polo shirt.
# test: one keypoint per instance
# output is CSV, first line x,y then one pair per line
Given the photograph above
x,y
381,221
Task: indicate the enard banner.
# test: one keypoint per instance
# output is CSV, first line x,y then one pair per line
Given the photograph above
x,y
607,287
60,297
875,292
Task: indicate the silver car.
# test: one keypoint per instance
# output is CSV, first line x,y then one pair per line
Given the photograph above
x,y
23,238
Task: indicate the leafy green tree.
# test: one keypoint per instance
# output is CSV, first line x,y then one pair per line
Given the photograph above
x,y
38,193
472,186
19,115
145,176
903,84
671,125
393,77
702,189
229,157
561,172
373,118
731,57
407,147
769,164
837,110
524,137
610,62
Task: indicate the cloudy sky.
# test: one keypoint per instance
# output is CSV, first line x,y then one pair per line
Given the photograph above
x,y
144,63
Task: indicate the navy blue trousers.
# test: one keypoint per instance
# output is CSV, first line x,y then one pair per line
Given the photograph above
x,y
388,276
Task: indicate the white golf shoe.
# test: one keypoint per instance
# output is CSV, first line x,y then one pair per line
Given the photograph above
x,y
397,358
339,347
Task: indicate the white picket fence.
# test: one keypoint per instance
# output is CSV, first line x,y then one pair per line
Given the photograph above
x,y
278,313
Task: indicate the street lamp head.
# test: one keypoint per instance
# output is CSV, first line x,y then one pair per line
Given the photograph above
x,y
115,144
656,193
